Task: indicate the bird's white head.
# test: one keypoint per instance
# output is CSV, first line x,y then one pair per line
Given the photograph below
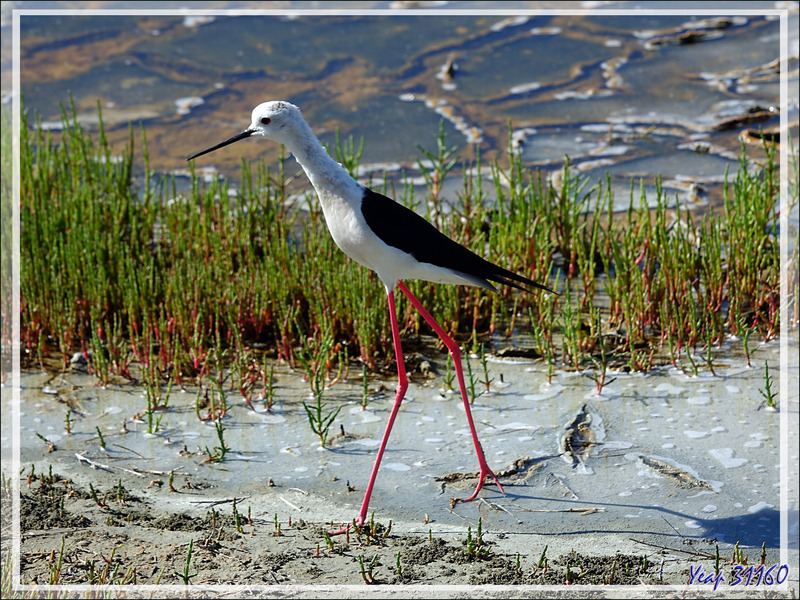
x,y
275,120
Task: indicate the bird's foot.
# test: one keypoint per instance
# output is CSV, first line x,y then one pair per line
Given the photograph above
x,y
485,471
357,522
345,530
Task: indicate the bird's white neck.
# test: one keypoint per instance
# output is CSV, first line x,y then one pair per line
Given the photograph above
x,y
326,175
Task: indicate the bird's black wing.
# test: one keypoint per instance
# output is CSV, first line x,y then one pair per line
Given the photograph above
x,y
405,230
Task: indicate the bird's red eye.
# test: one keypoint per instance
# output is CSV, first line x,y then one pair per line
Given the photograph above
x,y
265,120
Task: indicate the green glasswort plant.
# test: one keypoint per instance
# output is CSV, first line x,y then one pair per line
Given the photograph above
x,y
184,574
476,548
218,455
315,363
158,283
768,393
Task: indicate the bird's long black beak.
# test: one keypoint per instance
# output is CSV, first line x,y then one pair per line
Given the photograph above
x,y
239,136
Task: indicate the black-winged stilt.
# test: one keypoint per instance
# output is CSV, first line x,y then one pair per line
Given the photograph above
x,y
388,238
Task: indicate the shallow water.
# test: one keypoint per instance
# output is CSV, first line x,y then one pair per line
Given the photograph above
x,y
615,93
714,430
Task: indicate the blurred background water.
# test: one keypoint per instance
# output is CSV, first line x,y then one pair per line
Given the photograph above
x,y
633,95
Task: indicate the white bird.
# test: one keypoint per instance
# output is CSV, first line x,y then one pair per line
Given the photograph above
x,y
388,238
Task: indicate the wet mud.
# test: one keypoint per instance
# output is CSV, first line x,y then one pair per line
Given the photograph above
x,y
114,536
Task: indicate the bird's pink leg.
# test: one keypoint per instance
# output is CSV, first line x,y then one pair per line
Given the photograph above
x,y
455,352
402,386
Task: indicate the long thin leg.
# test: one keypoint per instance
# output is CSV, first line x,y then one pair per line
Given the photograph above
x,y
402,386
455,352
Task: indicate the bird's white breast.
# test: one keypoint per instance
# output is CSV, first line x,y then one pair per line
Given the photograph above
x,y
354,237
348,227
